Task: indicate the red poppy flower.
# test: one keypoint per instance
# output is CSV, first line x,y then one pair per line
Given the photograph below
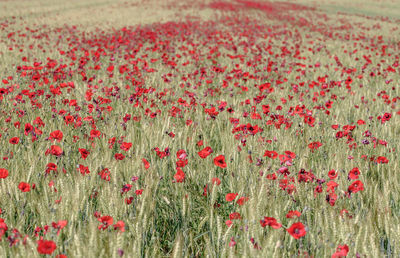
x,y
28,128
341,251
356,186
59,225
354,173
83,170
270,221
272,176
284,171
242,200
105,174
314,145
46,247
234,215
51,167
332,174
95,133
181,154
205,152
205,190
3,228
69,119
128,200
56,150
271,154
106,222
386,117
181,163
84,153
309,120
119,156
111,142
56,135
232,243
24,187
216,180
230,197
179,176
382,160
292,214
3,173
17,124
139,192
110,68
219,161
146,164
126,188
331,185
14,140
331,198
125,146
284,158
297,230
291,155
120,225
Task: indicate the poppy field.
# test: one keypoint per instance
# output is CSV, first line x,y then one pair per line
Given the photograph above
x,y
212,128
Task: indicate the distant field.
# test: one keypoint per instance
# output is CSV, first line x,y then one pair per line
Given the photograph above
x,y
243,128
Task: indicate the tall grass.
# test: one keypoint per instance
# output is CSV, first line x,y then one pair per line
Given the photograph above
x,y
191,218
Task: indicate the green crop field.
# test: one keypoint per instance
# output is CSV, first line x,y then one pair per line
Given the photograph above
x,y
213,128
